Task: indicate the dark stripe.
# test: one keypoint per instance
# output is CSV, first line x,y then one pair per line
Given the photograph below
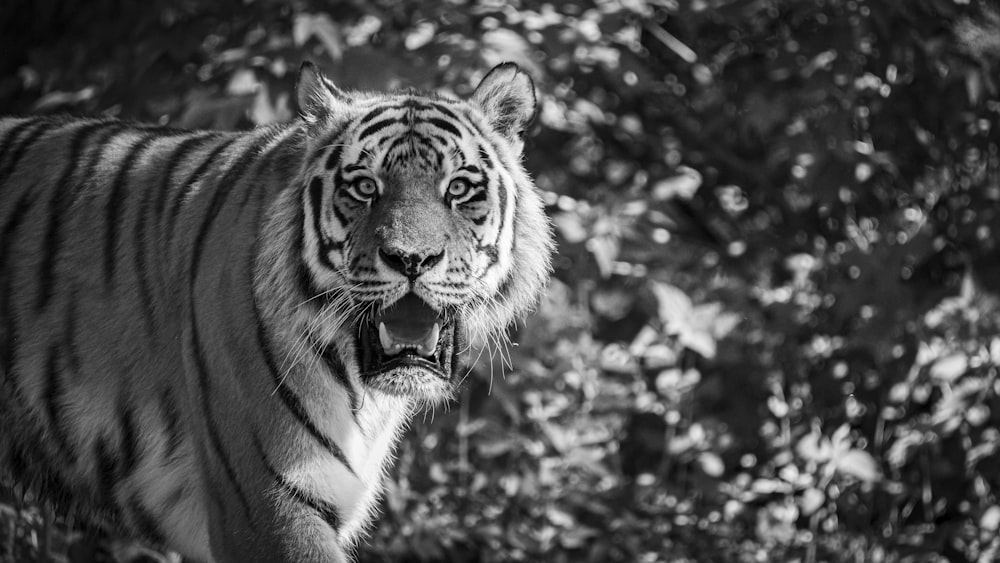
x,y
328,141
112,213
183,149
129,441
185,190
53,407
334,159
306,285
173,161
290,399
105,472
397,144
445,125
211,425
21,145
143,521
376,127
336,365
307,288
477,197
171,422
279,159
140,249
371,115
316,202
327,511
8,341
8,137
340,217
434,144
441,108
248,157
62,198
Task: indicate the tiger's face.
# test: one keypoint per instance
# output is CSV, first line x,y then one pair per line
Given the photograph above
x,y
421,228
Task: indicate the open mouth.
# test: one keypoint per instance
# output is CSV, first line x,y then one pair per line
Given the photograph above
x,y
409,349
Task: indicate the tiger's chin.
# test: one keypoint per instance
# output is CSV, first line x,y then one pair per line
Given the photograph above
x,y
412,350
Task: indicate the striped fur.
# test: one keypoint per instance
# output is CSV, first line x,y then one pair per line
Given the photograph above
x,y
189,350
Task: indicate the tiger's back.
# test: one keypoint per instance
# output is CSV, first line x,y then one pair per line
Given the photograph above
x,y
213,340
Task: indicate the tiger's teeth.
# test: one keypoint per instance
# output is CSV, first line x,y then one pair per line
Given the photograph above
x,y
390,346
429,345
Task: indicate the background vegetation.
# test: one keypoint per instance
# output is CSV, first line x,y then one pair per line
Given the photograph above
x,y
772,333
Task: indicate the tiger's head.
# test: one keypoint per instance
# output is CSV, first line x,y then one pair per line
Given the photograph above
x,y
421,229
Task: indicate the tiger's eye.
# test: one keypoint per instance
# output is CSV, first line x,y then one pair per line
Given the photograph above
x,y
458,188
366,187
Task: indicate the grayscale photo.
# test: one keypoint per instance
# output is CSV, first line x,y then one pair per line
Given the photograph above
x,y
476,281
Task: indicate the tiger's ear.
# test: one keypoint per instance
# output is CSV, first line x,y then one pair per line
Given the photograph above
x,y
316,95
507,98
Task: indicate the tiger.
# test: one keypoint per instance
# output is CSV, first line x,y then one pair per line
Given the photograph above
x,y
213,340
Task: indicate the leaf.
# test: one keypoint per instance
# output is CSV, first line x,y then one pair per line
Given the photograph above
x,y
724,323
577,536
659,356
605,250
859,464
701,342
495,448
559,517
814,447
571,227
770,486
243,82
420,35
324,29
674,381
812,500
902,450
949,368
438,474
674,305
698,328
502,44
52,100
990,520
711,464
777,406
682,186
615,358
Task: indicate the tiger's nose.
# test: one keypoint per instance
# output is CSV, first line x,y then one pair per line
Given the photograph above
x,y
410,264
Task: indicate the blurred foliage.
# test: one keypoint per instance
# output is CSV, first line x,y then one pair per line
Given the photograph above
x,y
772,333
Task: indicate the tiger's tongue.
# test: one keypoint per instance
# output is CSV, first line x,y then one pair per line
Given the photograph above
x,y
410,324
